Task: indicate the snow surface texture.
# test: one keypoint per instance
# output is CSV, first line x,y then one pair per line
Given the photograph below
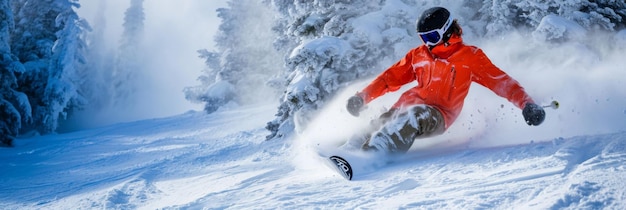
x,y
222,161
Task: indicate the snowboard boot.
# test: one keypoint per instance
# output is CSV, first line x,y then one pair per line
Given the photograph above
x,y
398,134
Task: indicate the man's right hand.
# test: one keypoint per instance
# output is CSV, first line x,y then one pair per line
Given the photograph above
x,y
355,104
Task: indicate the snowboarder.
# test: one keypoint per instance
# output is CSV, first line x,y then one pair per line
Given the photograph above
x,y
444,67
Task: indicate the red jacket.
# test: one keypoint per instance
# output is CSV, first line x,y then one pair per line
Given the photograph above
x,y
444,77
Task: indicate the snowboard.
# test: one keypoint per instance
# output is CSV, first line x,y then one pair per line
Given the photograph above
x,y
348,163
353,165
341,165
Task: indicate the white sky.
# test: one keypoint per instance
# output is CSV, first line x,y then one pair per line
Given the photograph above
x,y
174,31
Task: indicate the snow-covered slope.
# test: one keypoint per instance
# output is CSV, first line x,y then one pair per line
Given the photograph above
x,y
222,161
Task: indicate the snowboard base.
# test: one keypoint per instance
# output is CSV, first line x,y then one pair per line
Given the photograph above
x,y
342,166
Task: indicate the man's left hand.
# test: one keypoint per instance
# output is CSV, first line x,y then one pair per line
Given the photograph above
x,y
533,114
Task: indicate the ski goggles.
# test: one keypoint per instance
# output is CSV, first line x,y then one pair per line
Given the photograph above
x,y
434,37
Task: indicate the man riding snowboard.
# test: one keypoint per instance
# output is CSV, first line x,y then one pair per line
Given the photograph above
x,y
444,67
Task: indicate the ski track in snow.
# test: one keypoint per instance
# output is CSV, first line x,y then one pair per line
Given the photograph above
x,y
222,161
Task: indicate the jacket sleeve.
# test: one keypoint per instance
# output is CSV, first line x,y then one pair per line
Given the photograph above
x,y
490,76
391,79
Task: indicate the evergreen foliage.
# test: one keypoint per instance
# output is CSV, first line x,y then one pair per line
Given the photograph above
x,y
13,104
239,70
42,63
128,64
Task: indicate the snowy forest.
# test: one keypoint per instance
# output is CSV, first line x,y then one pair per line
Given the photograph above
x,y
55,67
56,72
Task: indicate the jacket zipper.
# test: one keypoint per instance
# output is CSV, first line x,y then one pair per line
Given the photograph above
x,y
453,71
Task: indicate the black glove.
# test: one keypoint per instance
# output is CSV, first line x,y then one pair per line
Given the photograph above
x,y
355,104
533,114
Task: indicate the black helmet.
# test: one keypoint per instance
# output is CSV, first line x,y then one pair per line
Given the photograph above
x,y
433,26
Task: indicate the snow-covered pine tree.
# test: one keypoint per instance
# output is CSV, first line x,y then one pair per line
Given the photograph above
x,y
35,28
332,43
127,69
614,10
32,41
503,16
309,34
97,81
498,16
67,66
216,88
14,105
244,59
48,39
212,91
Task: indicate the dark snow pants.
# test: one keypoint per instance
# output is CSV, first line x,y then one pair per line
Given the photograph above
x,y
397,130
